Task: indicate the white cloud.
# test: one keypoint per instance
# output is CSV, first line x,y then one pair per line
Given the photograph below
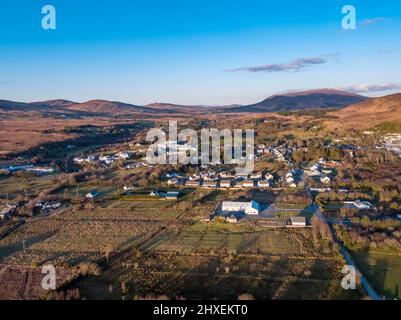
x,y
372,21
368,88
297,64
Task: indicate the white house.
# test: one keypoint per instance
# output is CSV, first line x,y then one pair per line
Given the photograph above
x,y
107,159
250,208
7,211
128,188
298,221
232,219
209,184
325,179
227,175
290,180
227,183
92,195
313,173
42,170
194,177
175,181
247,184
256,175
50,205
79,160
124,155
155,193
358,205
269,176
263,183
315,167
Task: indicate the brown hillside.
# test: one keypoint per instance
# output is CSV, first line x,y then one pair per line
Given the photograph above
x,y
369,113
106,107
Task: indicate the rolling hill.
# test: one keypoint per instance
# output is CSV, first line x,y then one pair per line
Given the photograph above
x,y
313,99
105,106
65,106
369,113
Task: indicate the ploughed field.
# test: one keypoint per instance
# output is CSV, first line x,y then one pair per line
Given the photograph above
x,y
162,248
78,235
223,261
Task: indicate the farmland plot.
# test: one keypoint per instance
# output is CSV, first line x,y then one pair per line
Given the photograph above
x,y
79,235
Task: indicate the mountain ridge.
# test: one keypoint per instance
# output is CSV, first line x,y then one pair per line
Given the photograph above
x,y
303,100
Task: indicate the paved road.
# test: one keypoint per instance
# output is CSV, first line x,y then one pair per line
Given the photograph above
x,y
347,257
364,282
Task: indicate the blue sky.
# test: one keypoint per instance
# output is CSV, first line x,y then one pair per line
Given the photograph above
x,y
196,52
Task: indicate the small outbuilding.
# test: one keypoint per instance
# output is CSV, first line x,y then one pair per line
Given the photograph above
x,y
298,221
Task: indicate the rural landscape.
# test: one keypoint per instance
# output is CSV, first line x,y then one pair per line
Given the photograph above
x,y
79,194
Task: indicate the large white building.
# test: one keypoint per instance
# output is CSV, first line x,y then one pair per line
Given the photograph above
x,y
251,208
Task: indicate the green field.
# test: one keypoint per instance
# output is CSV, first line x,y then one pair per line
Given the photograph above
x,y
383,271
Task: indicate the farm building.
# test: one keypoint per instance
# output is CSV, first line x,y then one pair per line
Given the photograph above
x,y
358,205
92,195
251,208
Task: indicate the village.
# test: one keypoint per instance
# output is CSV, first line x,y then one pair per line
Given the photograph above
x,y
296,189
317,177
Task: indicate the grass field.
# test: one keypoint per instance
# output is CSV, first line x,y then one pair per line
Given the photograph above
x,y
80,235
18,186
220,260
382,270
381,266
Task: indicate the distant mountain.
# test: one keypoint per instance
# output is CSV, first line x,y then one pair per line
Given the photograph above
x,y
172,108
369,113
55,103
105,106
15,106
313,99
